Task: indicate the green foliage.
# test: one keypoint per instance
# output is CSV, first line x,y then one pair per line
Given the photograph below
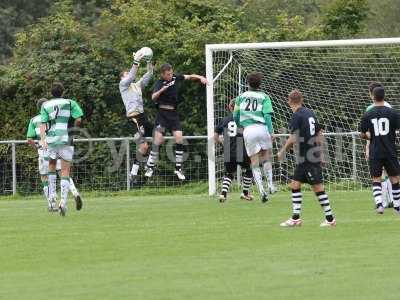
x,y
61,49
345,18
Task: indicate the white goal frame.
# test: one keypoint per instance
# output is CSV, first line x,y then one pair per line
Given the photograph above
x,y
210,48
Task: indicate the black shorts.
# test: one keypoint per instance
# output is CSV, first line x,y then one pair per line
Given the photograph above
x,y
231,166
142,127
391,166
167,120
308,173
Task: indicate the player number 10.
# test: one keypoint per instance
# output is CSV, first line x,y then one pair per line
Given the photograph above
x,y
381,126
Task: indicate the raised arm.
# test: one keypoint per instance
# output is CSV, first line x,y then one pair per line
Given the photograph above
x,y
144,81
126,82
195,77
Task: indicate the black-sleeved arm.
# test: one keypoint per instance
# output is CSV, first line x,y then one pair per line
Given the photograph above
x,y
364,124
180,77
221,126
318,125
397,119
294,123
158,85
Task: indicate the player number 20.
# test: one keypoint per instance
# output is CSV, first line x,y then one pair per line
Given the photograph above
x,y
232,129
381,126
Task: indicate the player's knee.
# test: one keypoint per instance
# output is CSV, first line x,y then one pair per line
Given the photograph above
x,y
229,175
295,185
248,173
144,148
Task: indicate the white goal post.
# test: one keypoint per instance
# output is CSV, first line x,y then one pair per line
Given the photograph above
x,y
333,75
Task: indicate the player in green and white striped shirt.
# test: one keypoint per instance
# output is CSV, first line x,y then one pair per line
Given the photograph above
x,y
56,115
33,137
253,111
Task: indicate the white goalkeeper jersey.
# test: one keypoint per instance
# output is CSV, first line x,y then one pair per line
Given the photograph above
x,y
131,92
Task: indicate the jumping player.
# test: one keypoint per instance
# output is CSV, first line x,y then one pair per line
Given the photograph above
x,y
306,133
253,111
165,94
131,93
227,133
379,125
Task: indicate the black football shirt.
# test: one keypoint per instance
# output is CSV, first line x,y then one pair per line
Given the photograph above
x,y
234,149
170,95
305,126
382,123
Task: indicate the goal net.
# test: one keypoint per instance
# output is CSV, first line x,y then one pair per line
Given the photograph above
x,y
333,76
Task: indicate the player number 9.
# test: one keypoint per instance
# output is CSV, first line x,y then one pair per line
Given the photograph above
x,y
232,129
311,121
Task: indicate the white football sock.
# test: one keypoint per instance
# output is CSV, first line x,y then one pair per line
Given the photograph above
x,y
64,191
258,179
267,167
52,185
73,188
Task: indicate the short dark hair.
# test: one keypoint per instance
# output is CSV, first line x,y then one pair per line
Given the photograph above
x,y
254,80
379,93
165,67
296,96
57,89
122,73
40,102
374,84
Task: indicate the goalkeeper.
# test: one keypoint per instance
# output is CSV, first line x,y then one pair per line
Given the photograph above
x,y
131,93
33,137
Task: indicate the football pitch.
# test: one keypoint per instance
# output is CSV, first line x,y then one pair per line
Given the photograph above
x,y
192,247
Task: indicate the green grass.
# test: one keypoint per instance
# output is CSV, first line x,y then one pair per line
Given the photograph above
x,y
191,247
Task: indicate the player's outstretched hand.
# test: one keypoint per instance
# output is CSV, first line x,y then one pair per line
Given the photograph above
x,y
137,57
203,80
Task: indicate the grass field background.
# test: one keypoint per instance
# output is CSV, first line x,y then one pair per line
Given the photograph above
x,y
192,247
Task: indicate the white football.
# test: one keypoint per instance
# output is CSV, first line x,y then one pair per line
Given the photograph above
x,y
147,53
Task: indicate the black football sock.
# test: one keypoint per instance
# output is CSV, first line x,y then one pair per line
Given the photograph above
x,y
325,204
179,156
226,183
297,199
153,156
396,195
377,193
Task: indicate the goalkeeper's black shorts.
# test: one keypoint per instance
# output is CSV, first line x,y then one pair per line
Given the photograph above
x,y
310,173
142,127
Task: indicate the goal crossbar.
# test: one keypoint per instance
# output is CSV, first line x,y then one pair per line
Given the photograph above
x,y
303,44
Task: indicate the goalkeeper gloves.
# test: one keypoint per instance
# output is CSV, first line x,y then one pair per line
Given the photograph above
x,y
137,57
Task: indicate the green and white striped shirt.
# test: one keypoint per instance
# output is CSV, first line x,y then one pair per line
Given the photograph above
x,y
57,113
253,107
34,128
